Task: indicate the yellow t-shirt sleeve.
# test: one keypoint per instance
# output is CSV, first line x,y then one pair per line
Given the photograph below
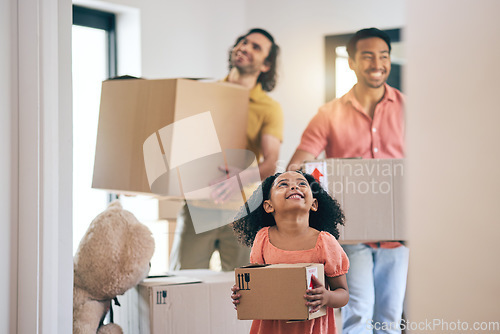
x,y
273,122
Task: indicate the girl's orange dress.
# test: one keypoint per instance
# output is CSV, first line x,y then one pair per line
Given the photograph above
x,y
327,251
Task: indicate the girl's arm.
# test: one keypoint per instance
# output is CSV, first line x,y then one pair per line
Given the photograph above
x,y
336,297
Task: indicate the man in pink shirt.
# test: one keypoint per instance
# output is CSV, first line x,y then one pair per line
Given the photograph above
x,y
368,123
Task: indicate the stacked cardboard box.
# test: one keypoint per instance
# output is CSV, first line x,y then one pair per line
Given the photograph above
x,y
371,193
167,122
194,301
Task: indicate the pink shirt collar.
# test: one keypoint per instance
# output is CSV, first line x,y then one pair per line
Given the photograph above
x,y
389,95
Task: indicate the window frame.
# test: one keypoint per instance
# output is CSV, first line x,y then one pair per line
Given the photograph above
x,y
98,19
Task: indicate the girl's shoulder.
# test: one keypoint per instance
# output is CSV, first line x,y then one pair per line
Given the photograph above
x,y
336,260
262,235
327,239
264,231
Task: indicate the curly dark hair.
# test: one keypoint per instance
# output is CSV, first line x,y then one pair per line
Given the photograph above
x,y
269,78
327,218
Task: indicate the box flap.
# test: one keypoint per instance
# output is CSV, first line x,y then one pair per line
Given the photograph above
x,y
170,280
292,265
255,265
279,265
205,275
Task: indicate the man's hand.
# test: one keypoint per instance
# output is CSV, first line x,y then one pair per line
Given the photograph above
x,y
225,190
298,159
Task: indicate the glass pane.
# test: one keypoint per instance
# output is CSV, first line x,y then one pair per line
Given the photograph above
x,y
397,53
344,76
89,70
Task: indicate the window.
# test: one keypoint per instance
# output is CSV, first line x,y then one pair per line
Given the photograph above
x,y
94,60
86,19
340,78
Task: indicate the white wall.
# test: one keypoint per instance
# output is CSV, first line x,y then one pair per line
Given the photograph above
x,y
8,166
176,38
180,38
299,27
189,38
454,158
192,39
452,82
35,169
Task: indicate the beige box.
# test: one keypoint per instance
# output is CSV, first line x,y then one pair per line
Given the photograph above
x,y
276,292
176,120
169,209
195,301
370,192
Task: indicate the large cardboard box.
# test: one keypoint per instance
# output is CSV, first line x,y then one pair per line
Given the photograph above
x,y
169,209
193,301
176,120
276,292
370,192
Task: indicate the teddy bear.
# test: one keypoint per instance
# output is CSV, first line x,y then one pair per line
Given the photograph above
x,y
113,256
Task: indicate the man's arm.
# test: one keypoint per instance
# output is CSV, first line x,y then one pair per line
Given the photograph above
x,y
298,158
270,148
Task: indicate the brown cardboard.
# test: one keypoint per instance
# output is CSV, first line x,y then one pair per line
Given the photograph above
x,y
131,111
276,292
195,301
370,192
169,209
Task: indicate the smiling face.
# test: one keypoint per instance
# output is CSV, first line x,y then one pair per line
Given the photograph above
x,y
250,54
372,62
290,191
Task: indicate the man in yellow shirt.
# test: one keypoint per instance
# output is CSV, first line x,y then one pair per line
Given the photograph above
x,y
252,64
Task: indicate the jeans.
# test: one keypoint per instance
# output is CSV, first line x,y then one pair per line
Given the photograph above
x,y
377,284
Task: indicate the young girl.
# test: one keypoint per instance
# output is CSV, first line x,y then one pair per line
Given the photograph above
x,y
296,222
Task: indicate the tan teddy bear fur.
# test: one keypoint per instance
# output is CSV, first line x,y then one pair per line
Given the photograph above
x,y
113,256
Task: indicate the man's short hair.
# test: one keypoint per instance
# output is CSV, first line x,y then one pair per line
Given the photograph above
x,y
363,34
269,78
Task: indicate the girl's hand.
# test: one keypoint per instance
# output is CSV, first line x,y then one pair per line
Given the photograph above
x,y
235,296
336,297
318,296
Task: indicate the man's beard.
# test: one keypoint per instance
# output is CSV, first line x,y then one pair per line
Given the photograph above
x,y
245,69
370,84
248,69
